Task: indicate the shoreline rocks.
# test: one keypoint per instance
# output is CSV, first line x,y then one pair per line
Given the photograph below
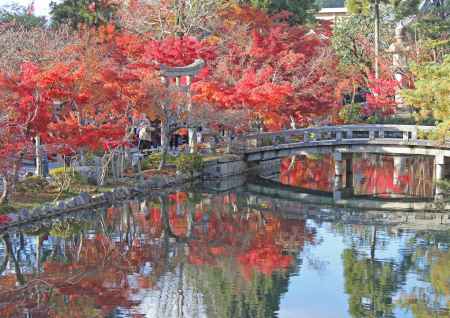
x,y
85,201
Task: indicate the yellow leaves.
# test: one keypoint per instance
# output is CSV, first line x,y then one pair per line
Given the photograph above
x,y
212,40
431,95
237,15
8,281
152,114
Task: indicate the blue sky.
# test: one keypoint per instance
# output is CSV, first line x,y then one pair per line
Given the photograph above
x,y
40,6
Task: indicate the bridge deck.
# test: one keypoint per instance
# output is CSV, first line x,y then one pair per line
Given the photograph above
x,y
404,137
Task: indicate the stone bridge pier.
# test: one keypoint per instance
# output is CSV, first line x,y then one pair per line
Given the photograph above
x,y
343,175
441,171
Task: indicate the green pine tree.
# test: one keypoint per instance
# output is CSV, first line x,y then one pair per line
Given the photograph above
x,y
78,12
302,10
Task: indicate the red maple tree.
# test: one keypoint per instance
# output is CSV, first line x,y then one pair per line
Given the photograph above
x,y
381,99
284,74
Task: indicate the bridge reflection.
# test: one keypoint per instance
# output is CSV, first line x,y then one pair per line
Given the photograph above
x,y
374,175
276,190
398,220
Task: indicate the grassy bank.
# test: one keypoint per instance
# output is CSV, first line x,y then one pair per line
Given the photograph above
x,y
34,191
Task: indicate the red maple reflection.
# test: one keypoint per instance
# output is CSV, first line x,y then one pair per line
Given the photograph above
x,y
92,277
313,172
376,175
388,176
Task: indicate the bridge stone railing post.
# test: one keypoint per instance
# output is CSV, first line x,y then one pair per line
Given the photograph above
x,y
273,139
349,133
338,176
254,142
405,135
306,136
414,134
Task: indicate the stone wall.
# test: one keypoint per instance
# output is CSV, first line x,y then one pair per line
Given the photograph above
x,y
223,184
224,167
235,165
265,168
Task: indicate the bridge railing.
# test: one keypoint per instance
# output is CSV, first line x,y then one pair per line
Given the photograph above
x,y
331,134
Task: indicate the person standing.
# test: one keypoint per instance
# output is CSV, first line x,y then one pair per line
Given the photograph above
x,y
145,137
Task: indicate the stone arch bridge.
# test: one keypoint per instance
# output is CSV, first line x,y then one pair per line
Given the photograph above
x,y
263,150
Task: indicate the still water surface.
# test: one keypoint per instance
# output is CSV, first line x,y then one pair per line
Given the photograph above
x,y
227,255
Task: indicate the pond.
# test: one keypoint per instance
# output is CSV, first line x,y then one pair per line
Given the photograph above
x,y
231,254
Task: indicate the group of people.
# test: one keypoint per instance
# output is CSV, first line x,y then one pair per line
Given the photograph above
x,y
148,137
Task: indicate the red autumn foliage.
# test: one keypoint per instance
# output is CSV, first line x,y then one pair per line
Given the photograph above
x,y
4,219
28,95
177,51
381,99
285,73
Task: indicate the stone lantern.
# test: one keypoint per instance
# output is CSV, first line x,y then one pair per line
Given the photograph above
x,y
399,66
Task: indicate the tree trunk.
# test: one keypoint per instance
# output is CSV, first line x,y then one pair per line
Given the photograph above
x,y
10,251
293,124
164,205
15,176
228,141
165,137
377,38
192,135
122,162
114,166
39,166
5,260
373,243
5,192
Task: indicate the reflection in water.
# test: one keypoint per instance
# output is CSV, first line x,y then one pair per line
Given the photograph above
x,y
314,172
432,263
371,283
375,175
393,176
228,255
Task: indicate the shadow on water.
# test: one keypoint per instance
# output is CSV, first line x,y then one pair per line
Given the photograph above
x,y
229,254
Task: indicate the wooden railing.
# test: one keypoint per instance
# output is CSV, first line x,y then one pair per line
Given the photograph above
x,y
335,135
